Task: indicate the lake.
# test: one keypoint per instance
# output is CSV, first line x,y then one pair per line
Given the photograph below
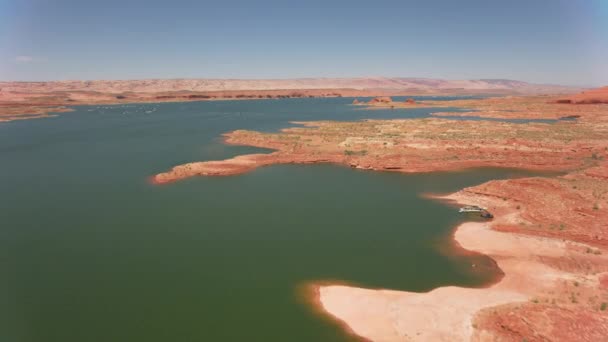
x,y
91,251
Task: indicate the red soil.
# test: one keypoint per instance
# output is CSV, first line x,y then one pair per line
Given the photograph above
x,y
593,96
542,322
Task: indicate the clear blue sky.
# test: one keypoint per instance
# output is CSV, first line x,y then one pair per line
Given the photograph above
x,y
550,41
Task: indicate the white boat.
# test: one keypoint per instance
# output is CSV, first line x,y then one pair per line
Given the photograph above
x,y
472,209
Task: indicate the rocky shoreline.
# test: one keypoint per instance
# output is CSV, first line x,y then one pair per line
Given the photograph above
x,y
556,277
549,235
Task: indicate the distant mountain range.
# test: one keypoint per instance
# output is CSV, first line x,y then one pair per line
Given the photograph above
x,y
385,84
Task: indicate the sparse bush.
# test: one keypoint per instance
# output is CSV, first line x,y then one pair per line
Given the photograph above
x,y
604,306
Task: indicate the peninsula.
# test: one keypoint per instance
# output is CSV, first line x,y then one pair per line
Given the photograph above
x,y
312,171
549,235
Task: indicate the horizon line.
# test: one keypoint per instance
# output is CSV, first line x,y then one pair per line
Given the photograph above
x,y
297,78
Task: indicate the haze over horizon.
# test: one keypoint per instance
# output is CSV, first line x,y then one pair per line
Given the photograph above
x,y
541,41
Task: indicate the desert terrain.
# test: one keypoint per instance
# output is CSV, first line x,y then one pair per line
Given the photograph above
x,y
549,235
25,100
512,107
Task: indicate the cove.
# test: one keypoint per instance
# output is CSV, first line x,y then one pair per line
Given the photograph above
x,y
91,251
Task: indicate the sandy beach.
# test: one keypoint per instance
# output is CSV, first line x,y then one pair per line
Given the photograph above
x,y
450,313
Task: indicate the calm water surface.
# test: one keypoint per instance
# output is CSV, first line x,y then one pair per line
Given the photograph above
x,y
89,251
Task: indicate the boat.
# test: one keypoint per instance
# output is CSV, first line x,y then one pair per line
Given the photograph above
x,y
476,209
472,209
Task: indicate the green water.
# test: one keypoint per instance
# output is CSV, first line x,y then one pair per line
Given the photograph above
x,y
90,251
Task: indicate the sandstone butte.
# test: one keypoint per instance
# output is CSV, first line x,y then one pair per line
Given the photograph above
x,y
381,99
549,235
385,101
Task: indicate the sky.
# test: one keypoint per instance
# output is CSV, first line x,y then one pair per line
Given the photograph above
x,y
542,41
